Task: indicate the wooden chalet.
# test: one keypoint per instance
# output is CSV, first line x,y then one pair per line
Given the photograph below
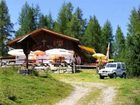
x,y
44,39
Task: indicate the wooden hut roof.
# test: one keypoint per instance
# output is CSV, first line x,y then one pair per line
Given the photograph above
x,y
13,42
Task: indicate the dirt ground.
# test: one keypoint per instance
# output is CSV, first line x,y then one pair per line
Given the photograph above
x,y
83,88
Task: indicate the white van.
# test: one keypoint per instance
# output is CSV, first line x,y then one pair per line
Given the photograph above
x,y
113,70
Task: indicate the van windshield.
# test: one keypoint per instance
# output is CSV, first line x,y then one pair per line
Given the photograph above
x,y
111,65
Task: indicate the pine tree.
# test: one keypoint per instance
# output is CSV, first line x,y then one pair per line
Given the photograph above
x,y
46,21
6,27
133,44
76,26
56,27
64,17
92,37
119,44
50,22
107,37
28,19
43,21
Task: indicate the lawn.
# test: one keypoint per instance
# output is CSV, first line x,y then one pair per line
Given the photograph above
x,y
128,89
17,89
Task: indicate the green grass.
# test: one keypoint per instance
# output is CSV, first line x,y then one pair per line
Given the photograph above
x,y
17,89
128,89
85,76
129,92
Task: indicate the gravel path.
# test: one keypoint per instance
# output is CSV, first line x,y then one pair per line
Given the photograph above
x,y
83,88
75,96
107,96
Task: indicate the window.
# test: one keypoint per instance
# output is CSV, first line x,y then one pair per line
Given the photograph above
x,y
119,66
111,65
123,66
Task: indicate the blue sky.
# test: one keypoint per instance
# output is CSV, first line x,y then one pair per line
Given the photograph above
x,y
116,11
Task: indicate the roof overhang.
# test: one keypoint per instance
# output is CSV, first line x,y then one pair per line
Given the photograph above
x,y
15,43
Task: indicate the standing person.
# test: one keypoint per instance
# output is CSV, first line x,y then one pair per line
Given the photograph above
x,y
99,65
78,60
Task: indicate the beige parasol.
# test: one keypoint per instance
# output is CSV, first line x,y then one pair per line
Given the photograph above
x,y
39,53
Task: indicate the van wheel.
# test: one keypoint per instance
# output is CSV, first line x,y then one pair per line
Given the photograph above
x,y
123,75
101,77
114,75
111,76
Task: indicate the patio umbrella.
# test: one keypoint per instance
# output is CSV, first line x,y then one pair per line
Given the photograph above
x,y
19,52
32,57
99,56
39,53
87,49
59,52
16,52
53,57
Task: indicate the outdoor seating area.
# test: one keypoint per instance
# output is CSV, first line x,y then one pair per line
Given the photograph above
x,y
55,60
54,67
46,50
